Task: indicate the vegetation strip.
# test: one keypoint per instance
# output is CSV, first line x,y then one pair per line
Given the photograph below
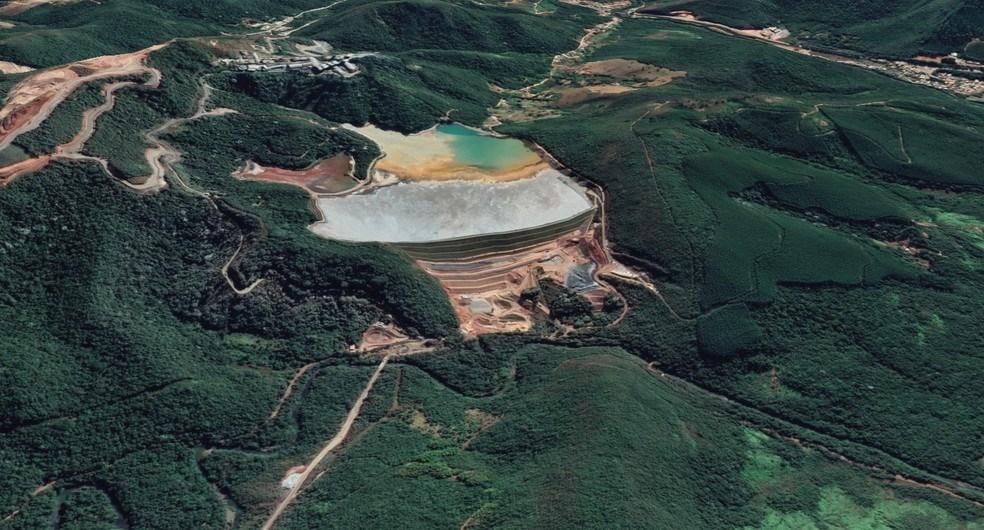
x,y
337,440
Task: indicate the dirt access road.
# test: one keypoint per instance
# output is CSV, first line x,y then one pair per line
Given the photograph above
x,y
70,150
32,100
14,7
89,118
332,444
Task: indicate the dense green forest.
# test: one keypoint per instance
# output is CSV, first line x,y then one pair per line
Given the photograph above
x,y
811,358
898,29
759,234
58,33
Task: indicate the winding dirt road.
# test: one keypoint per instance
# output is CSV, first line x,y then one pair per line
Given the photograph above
x,y
32,100
225,273
89,118
163,156
289,391
332,444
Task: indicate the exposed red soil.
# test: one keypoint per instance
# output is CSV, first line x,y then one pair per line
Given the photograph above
x,y
485,290
381,335
389,340
331,175
295,469
31,101
12,171
20,115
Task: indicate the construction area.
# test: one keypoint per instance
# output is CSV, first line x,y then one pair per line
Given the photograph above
x,y
489,292
31,102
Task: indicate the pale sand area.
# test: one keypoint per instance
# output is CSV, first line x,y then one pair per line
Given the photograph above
x,y
414,212
437,155
13,7
8,67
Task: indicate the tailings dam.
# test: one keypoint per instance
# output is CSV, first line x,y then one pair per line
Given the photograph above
x,y
486,215
420,212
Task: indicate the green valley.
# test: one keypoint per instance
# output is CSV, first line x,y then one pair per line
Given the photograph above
x,y
526,264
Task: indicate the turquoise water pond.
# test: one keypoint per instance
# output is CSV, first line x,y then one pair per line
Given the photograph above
x,y
484,151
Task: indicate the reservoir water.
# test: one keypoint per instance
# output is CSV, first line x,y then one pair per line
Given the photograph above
x,y
452,152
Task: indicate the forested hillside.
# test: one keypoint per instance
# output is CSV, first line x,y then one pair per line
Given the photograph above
x,y
897,29
791,340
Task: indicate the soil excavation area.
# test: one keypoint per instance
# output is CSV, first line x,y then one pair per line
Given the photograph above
x,y
31,101
486,291
8,67
631,70
330,176
13,7
72,148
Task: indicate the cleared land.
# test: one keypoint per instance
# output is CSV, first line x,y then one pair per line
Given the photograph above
x,y
31,101
329,176
8,67
13,7
630,70
487,290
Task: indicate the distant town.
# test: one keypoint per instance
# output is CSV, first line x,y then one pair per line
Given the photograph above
x,y
951,73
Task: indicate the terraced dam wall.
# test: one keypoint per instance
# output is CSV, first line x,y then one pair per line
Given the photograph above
x,y
488,244
458,219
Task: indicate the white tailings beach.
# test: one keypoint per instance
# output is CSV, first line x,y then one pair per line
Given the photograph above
x,y
417,212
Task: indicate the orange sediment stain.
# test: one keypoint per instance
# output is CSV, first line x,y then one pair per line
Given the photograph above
x,y
444,168
331,175
12,171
